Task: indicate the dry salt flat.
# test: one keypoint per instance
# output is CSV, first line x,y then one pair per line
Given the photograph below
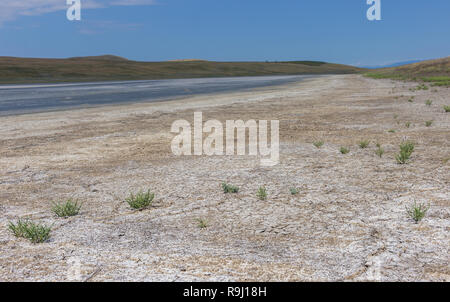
x,y
348,222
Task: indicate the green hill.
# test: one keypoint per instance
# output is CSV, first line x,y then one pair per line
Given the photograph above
x,y
112,68
436,72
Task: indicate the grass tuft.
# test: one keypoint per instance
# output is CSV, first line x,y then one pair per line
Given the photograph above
x,y
344,150
262,193
428,123
294,191
364,144
417,211
379,151
36,233
428,102
229,188
318,144
406,149
447,108
202,223
66,209
141,200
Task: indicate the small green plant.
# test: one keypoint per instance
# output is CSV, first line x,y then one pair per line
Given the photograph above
x,y
408,124
364,144
428,102
447,108
229,188
36,233
141,200
406,149
379,151
392,131
411,100
422,87
318,144
395,116
294,191
66,209
262,193
428,123
202,223
417,211
344,150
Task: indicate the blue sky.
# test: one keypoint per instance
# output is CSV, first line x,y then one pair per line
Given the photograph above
x,y
231,30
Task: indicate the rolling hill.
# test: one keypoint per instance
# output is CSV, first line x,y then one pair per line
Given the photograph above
x,y
112,68
436,72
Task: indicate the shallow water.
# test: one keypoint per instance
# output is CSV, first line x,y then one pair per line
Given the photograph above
x,y
19,99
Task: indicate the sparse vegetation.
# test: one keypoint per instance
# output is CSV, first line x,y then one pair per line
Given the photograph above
x,y
428,123
417,211
447,108
318,144
392,131
202,223
422,87
379,151
406,149
294,191
229,188
408,124
428,102
35,232
262,193
364,144
344,150
66,209
438,81
433,72
141,200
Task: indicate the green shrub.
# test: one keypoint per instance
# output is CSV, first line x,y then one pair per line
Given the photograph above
x,y
66,209
229,188
447,108
262,193
417,211
294,191
141,200
429,102
36,233
364,144
406,149
408,124
318,144
392,131
428,123
344,150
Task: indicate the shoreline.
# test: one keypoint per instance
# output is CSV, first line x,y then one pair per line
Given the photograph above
x,y
174,90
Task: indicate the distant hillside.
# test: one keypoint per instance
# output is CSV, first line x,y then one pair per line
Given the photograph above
x,y
397,64
436,72
111,68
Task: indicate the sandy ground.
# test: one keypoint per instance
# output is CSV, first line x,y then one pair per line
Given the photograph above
x,y
347,223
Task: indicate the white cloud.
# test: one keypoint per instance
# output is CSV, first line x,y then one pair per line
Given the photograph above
x,y
12,9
